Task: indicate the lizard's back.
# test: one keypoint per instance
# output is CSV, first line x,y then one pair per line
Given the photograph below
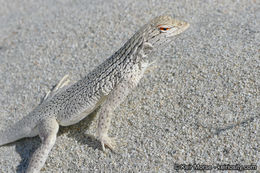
x,y
87,94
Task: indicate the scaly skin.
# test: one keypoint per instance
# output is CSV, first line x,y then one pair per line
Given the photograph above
x,y
106,86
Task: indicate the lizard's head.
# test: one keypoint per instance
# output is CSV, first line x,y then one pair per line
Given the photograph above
x,y
162,28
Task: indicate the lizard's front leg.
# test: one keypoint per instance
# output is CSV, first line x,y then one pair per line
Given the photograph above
x,y
113,100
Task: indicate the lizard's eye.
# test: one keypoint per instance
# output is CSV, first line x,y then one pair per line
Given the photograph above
x,y
164,28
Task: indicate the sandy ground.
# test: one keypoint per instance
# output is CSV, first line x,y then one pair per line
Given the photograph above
x,y
201,105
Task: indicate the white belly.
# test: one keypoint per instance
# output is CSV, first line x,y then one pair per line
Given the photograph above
x,y
78,117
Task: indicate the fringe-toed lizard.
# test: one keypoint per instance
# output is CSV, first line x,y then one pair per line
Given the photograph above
x,y
106,86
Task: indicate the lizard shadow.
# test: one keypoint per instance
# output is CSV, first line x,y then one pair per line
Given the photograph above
x,y
26,147
77,131
217,131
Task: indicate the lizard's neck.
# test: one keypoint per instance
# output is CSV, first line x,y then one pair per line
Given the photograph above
x,y
136,49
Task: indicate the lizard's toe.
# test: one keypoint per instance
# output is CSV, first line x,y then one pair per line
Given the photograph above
x,y
108,142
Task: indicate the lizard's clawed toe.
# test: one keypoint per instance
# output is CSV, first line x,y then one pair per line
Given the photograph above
x,y
108,142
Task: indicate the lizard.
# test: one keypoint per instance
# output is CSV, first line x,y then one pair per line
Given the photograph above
x,y
106,86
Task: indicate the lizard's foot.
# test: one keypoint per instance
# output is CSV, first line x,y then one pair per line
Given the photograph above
x,y
108,142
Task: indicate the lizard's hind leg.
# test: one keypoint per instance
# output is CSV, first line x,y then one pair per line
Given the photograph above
x,y
62,83
48,129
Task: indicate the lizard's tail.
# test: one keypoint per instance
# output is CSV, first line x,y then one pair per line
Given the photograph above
x,y
4,139
10,135
17,131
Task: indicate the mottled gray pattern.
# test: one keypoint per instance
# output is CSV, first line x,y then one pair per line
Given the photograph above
x,y
110,82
